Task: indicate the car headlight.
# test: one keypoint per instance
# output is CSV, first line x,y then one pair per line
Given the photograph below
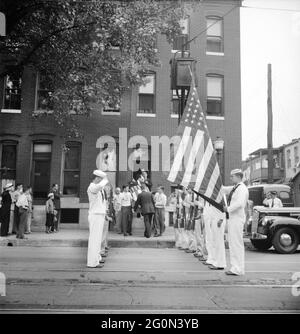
x,y
265,221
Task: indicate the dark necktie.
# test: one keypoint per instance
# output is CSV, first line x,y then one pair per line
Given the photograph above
x,y
231,193
272,203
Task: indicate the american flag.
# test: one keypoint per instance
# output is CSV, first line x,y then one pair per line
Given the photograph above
x,y
194,163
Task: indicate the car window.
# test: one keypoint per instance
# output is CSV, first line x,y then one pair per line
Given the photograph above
x,y
256,195
284,195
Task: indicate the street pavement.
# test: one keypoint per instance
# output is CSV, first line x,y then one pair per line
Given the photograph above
x,y
139,280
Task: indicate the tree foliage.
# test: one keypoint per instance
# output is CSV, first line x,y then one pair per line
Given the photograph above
x,y
87,51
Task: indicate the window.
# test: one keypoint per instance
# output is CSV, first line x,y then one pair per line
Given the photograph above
x,y
12,92
296,155
111,107
289,160
214,95
8,160
147,95
44,93
175,104
71,174
214,39
180,40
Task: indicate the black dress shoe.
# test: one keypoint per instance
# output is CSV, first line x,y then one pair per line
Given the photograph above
x,y
212,267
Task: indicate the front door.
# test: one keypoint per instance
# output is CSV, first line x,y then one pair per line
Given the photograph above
x,y
41,178
41,170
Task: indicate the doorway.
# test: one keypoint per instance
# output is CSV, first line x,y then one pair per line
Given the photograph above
x,y
41,170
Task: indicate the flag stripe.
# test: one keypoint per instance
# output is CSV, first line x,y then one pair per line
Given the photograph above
x,y
212,182
179,154
203,165
208,173
193,155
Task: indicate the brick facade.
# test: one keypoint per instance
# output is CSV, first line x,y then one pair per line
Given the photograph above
x,y
25,129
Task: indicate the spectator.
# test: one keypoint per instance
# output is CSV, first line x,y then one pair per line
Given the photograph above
x,y
23,207
6,201
275,201
15,197
50,213
172,201
117,208
56,193
126,209
160,200
29,218
146,202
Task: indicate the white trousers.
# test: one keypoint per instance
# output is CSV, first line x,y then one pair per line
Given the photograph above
x,y
185,239
96,223
236,245
199,235
208,238
104,236
218,244
192,240
176,233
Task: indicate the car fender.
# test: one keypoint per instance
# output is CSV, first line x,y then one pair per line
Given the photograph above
x,y
284,222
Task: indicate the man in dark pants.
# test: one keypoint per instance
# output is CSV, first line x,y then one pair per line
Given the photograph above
x,y
145,201
126,210
55,191
5,209
15,197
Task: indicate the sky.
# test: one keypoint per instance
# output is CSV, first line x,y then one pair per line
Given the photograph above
x,y
270,36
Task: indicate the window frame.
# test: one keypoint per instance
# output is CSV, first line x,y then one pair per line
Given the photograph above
x,y
10,110
214,98
70,144
14,143
37,89
221,36
153,113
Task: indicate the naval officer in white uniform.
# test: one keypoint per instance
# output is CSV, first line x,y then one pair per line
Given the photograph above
x,y
236,207
96,218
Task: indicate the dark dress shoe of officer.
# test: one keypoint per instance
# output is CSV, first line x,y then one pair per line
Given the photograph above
x,y
102,261
156,235
230,273
189,251
212,267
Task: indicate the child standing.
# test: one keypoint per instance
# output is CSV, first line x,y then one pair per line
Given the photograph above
x,y
50,210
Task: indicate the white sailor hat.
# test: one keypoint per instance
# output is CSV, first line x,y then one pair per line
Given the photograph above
x,y
99,173
8,185
236,171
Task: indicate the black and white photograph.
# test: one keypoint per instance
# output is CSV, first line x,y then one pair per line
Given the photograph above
x,y
149,159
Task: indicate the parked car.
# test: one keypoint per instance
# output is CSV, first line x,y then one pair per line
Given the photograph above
x,y
258,193
278,227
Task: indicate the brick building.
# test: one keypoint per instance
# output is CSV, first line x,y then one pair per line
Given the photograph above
x,y
32,150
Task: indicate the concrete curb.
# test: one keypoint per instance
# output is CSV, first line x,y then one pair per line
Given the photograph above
x,y
80,242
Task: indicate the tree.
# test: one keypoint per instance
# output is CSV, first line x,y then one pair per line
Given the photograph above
x,y
88,51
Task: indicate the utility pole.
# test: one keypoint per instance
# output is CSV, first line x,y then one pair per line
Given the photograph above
x,y
270,126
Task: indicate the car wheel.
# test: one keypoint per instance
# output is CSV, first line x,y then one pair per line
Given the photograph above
x,y
261,245
286,240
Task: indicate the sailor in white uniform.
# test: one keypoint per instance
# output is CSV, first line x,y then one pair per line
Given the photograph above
x,y
218,256
96,218
237,203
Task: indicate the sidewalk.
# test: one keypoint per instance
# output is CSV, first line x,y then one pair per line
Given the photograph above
x,y
79,238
